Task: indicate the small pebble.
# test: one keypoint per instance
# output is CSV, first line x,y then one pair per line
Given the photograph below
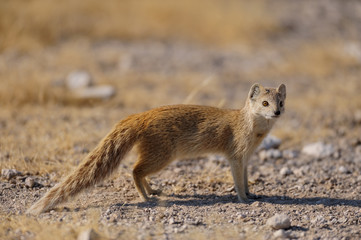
x,y
285,171
318,150
275,153
359,178
343,170
270,142
318,219
279,221
180,229
78,79
95,92
241,216
29,182
280,234
270,154
290,154
10,173
263,155
256,204
357,116
88,234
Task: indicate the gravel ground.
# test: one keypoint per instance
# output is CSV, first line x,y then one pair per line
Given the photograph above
x,y
320,196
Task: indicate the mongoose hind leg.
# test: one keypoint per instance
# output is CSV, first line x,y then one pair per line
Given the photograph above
x,y
139,180
145,166
150,190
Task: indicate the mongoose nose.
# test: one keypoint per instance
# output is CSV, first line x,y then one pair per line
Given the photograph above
x,y
277,113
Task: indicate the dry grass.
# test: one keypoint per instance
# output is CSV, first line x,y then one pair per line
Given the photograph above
x,y
33,24
17,226
318,76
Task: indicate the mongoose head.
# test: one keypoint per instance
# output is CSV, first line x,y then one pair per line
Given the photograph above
x,y
267,102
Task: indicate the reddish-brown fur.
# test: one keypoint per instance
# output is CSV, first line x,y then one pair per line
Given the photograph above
x,y
166,133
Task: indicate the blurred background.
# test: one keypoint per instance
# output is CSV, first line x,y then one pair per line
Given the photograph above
x,y
69,70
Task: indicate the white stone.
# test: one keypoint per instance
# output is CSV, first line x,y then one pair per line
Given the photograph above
x,y
171,220
96,92
318,150
274,153
88,234
280,234
357,116
318,219
359,178
285,171
270,142
263,155
256,204
353,49
279,221
29,182
9,173
343,169
269,154
180,229
290,154
300,172
78,79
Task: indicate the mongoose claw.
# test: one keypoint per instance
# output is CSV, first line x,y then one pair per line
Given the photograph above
x,y
156,192
252,196
243,200
152,200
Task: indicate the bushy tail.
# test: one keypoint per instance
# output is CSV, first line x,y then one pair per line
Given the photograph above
x,y
99,164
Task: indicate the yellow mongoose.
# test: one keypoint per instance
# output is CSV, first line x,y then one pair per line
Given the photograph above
x,y
166,133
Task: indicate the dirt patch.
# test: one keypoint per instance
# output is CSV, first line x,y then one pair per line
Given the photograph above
x,y
320,196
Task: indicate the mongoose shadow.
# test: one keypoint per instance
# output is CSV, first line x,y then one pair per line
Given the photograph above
x,y
199,200
326,201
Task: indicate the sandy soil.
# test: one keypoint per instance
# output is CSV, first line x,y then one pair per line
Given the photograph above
x,y
320,196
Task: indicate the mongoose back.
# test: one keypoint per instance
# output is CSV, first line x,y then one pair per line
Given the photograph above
x,y
167,133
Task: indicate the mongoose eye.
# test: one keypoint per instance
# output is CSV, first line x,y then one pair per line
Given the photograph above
x,y
265,103
281,104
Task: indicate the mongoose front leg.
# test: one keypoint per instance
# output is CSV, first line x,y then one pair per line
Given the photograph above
x,y
245,175
237,168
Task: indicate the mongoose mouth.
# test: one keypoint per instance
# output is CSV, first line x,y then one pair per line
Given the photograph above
x,y
272,116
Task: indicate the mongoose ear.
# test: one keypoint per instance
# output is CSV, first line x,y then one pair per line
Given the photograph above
x,y
282,90
255,91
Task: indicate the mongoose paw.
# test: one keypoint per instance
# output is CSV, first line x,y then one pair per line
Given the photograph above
x,y
252,196
152,199
156,192
243,199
